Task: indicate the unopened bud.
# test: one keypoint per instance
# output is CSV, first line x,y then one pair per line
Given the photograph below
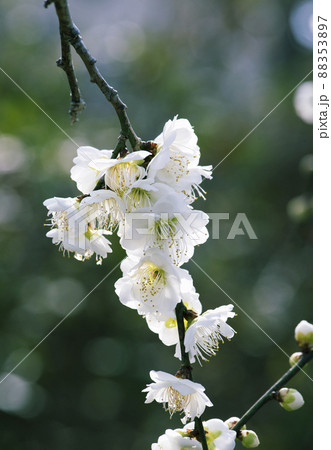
x,y
249,439
295,358
232,421
304,334
290,399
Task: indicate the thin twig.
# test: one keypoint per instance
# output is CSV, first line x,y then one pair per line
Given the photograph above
x,y
70,35
65,62
270,393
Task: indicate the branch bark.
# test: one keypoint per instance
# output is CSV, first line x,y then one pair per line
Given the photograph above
x,y
269,394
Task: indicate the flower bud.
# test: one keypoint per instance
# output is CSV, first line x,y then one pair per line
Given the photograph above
x,y
232,421
295,358
290,399
249,439
304,334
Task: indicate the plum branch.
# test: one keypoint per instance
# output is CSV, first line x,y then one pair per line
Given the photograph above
x,y
70,37
186,370
271,393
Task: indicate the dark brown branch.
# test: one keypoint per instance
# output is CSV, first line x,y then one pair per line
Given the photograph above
x,y
70,35
65,62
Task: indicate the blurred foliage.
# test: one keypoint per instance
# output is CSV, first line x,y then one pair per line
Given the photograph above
x,y
224,65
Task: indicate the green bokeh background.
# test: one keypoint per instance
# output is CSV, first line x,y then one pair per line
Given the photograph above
x,y
223,65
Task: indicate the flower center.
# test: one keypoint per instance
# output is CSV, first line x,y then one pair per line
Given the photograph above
x,y
150,280
178,165
138,198
176,400
108,214
121,176
59,220
164,229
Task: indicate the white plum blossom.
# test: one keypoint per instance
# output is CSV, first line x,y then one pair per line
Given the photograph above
x,y
165,188
108,208
177,160
173,440
140,194
147,198
178,394
172,226
143,194
204,333
85,176
73,231
58,205
121,173
191,187
167,329
152,285
218,435
91,164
